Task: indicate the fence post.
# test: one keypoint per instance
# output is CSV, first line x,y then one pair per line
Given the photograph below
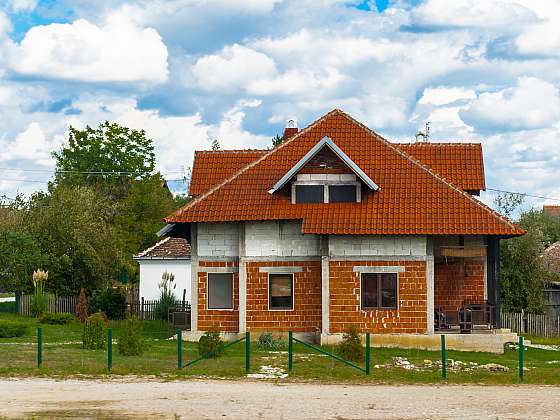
x,y
39,347
247,351
521,354
368,356
142,310
290,352
18,297
179,349
110,349
443,359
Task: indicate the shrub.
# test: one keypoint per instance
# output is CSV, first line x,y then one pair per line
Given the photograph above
x,y
112,301
81,307
7,307
56,319
268,342
131,342
209,344
166,295
351,347
40,300
95,332
10,329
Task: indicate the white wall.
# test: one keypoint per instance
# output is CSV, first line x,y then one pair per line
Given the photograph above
x,y
371,245
218,239
282,239
152,270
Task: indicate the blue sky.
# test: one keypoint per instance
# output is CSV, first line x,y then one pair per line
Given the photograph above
x,y
190,71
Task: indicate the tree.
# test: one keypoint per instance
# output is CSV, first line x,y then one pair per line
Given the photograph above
x,y
507,203
72,226
109,154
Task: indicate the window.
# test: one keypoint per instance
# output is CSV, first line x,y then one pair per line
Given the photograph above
x,y
310,193
281,291
379,291
220,291
342,193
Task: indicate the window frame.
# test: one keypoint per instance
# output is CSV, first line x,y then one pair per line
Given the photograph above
x,y
326,184
232,292
379,292
293,292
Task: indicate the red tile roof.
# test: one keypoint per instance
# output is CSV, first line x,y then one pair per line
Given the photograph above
x,y
412,199
167,248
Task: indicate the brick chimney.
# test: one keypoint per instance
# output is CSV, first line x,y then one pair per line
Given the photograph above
x,y
291,129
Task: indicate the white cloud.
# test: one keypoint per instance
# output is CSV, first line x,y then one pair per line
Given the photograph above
x,y
296,82
30,144
232,68
116,51
444,95
533,103
19,6
542,38
472,14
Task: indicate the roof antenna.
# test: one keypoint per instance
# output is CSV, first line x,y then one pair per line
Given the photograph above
x,y
428,128
423,136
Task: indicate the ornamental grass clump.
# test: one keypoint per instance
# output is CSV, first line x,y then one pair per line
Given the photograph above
x,y
166,295
40,300
95,332
350,348
130,341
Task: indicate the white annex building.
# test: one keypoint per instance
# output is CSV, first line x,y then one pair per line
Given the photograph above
x,y
172,255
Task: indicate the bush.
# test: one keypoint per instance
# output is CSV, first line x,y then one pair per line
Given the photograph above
x,y
95,332
56,319
10,329
131,342
166,296
268,342
350,348
209,344
112,301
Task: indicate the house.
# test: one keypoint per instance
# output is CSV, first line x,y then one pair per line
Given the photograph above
x,y
338,227
172,255
551,259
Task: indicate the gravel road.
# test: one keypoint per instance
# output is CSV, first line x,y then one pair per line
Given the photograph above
x,y
203,399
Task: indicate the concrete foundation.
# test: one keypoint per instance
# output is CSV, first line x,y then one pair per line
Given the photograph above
x,y
492,343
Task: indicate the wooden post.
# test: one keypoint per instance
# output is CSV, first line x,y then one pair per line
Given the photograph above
x,y
142,309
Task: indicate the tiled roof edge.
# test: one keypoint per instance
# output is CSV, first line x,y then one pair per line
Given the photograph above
x,y
157,244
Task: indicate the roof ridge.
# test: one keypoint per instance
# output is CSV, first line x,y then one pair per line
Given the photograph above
x,y
440,143
254,163
431,172
154,246
231,150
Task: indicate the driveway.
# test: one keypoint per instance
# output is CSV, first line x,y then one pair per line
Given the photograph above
x,y
203,399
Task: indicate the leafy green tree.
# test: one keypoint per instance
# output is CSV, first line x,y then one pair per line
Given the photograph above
x,y
72,226
109,155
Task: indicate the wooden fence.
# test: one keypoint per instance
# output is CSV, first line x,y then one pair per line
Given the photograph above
x,y
532,324
57,304
146,310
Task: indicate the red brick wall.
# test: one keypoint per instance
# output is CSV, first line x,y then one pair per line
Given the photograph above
x,y
306,315
458,282
345,310
223,320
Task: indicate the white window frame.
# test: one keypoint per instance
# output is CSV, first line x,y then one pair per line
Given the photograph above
x,y
293,292
379,308
232,292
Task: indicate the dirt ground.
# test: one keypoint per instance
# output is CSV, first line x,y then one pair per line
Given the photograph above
x,y
204,399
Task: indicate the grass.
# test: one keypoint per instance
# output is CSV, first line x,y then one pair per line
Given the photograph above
x,y
551,341
64,357
6,295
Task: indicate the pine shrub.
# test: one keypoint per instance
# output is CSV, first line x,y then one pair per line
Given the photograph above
x,y
130,342
209,344
95,332
350,348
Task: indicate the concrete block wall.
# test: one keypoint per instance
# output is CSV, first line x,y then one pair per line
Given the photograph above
x,y
371,245
279,239
218,240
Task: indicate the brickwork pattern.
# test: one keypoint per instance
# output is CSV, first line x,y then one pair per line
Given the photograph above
x,y
223,320
344,311
306,315
457,283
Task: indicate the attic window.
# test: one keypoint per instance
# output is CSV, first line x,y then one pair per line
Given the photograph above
x,y
342,193
326,188
310,193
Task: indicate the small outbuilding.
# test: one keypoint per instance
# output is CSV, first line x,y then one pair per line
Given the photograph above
x,y
172,255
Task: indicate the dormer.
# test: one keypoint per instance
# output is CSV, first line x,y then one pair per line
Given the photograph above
x,y
325,175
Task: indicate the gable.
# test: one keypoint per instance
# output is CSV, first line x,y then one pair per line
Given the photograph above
x,y
412,199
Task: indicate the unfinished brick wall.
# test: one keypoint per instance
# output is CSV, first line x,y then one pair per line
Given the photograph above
x,y
344,311
223,320
457,283
306,315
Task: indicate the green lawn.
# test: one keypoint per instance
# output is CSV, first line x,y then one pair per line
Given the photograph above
x,y
63,356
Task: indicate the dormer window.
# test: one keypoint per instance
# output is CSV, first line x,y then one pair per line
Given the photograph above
x,y
326,188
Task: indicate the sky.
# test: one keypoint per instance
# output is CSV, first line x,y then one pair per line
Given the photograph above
x,y
191,71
